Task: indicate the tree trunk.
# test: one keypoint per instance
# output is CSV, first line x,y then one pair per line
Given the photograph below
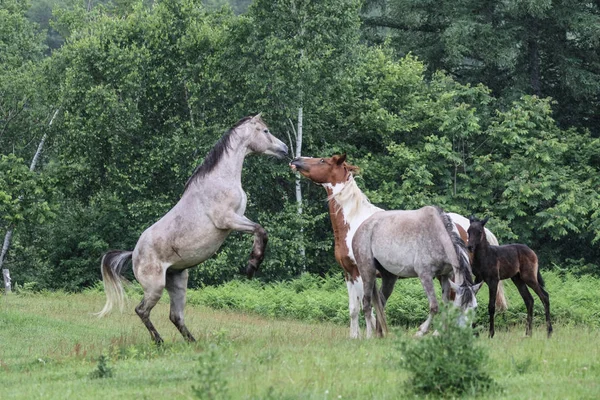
x,y
9,233
534,59
6,275
298,187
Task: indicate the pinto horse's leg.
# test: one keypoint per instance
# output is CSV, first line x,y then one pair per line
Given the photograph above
x,y
427,282
235,222
493,290
176,285
355,297
527,298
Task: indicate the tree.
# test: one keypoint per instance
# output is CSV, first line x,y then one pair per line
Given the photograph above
x,y
548,49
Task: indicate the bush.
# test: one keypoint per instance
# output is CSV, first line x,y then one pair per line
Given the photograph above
x,y
448,363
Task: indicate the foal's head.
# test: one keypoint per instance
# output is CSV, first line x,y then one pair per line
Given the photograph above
x,y
476,232
258,138
465,298
331,170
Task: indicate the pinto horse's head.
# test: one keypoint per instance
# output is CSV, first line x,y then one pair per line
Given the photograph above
x,y
476,232
330,170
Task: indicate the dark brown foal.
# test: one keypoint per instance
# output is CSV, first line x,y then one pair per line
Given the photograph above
x,y
492,264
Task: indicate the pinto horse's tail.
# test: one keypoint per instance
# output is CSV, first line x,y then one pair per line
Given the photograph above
x,y
464,263
381,326
113,263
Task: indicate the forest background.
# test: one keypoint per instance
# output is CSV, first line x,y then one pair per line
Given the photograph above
x,y
483,107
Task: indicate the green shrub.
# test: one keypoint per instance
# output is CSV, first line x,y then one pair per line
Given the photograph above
x,y
212,383
102,369
447,363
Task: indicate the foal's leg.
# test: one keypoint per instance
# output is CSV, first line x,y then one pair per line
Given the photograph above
x,y
545,298
527,298
176,285
493,290
427,282
152,279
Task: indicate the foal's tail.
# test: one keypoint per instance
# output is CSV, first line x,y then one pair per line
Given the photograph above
x,y
381,322
464,263
112,265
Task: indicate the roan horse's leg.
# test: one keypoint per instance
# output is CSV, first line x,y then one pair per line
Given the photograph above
x,y
152,278
232,221
176,285
427,282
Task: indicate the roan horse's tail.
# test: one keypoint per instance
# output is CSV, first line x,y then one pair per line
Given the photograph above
x,y
464,264
112,265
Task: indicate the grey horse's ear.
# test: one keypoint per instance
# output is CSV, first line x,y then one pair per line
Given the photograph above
x,y
485,220
341,159
256,117
477,287
453,285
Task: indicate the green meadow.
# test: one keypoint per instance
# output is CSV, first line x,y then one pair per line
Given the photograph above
x,y
51,344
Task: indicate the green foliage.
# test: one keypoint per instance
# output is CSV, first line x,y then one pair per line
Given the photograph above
x,y
212,383
24,195
448,363
102,369
314,298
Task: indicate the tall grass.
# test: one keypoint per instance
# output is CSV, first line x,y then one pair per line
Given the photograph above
x,y
573,300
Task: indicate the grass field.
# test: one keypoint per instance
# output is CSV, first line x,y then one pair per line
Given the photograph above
x,y
50,345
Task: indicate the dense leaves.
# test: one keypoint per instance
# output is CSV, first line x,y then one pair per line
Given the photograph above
x,y
145,90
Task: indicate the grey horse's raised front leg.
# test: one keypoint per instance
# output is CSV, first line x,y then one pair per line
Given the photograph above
x,y
240,223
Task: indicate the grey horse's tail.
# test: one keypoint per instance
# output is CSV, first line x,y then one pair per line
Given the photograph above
x,y
381,321
113,263
464,264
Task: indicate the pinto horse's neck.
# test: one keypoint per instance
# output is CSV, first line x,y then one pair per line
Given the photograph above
x,y
348,209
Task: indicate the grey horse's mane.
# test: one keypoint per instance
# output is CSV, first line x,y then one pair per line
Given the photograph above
x,y
464,264
216,153
352,197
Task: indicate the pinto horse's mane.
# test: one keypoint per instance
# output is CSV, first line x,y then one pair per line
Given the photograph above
x,y
351,197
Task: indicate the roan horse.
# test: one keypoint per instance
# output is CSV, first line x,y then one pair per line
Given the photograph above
x,y
516,261
212,205
404,244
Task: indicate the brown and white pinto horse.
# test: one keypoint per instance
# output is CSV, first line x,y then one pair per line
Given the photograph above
x,y
348,209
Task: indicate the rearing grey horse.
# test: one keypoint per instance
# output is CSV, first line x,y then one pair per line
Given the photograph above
x,y
212,205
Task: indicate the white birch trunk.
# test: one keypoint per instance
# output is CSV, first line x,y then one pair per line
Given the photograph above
x,y
298,187
9,233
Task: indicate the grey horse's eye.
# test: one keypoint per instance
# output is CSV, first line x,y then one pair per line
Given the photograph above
x,y
266,131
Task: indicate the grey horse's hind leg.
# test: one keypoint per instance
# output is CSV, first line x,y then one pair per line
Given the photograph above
x,y
153,283
427,282
176,285
143,310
